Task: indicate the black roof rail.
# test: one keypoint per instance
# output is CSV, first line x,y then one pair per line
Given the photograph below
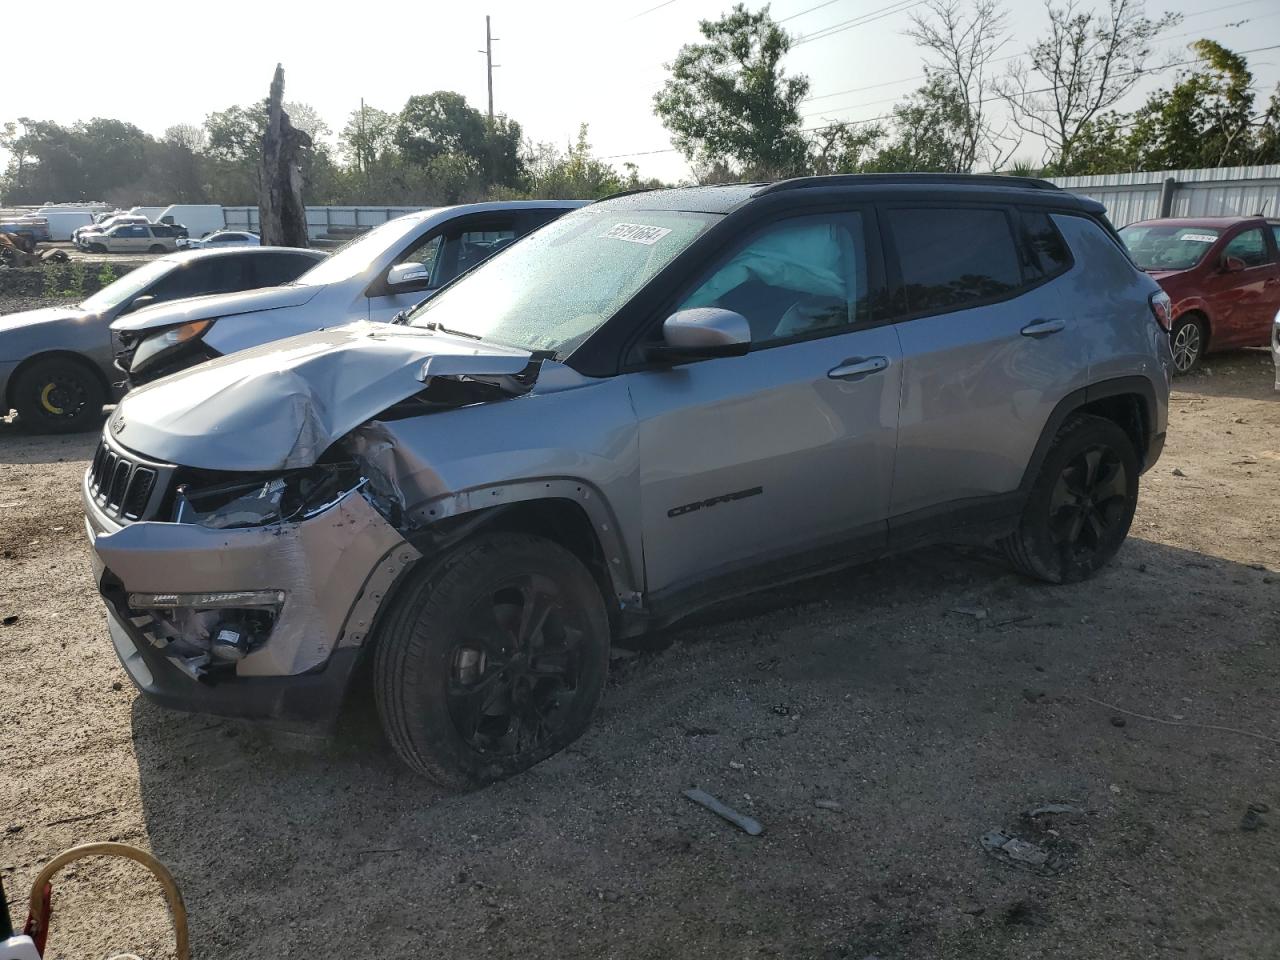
x,y
955,179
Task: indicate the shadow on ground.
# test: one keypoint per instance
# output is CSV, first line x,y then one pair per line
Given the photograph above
x,y
931,698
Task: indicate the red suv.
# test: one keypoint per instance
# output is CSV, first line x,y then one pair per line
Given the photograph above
x,y
1223,275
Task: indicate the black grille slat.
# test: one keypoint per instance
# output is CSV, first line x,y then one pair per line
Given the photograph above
x,y
139,493
125,486
119,483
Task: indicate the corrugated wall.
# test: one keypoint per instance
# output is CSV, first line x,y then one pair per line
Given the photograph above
x,y
1210,192
320,220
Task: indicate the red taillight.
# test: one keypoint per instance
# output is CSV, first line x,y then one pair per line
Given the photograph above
x,y
1162,310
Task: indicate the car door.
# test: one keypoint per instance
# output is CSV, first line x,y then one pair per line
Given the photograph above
x,y
1242,289
444,253
770,459
989,347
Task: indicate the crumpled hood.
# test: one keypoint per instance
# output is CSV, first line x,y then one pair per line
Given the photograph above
x,y
29,318
216,305
281,405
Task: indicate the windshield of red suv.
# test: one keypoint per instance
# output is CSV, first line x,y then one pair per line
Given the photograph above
x,y
1165,247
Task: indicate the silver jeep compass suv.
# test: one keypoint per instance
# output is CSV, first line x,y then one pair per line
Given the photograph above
x,y
655,402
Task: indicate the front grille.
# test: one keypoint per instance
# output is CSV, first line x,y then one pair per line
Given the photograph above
x,y
124,486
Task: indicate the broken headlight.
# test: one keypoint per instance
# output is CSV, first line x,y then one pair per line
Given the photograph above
x,y
165,344
289,498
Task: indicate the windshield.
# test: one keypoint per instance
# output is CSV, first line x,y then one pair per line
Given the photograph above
x,y
128,286
1165,247
356,255
551,290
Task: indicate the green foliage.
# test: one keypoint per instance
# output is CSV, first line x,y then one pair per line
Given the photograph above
x,y
728,98
574,174
440,123
930,130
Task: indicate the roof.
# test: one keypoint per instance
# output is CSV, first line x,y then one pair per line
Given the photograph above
x,y
202,252
1220,222
724,198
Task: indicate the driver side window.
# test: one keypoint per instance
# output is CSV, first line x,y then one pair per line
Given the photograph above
x,y
798,278
1249,247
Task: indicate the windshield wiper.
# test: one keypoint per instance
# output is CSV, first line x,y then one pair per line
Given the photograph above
x,y
435,325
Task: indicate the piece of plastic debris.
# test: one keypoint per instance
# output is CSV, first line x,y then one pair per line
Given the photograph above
x,y
1178,473
827,805
1052,808
1252,820
744,823
978,613
1014,850
735,765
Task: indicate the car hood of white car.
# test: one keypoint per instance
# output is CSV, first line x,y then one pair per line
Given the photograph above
x,y
215,306
279,406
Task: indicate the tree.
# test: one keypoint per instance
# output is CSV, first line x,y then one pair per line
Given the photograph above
x,y
843,147
959,47
1102,145
437,123
1085,66
729,98
1205,120
929,131
575,174
368,135
281,213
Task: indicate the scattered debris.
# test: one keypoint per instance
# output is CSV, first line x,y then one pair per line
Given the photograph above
x,y
13,828
828,805
1252,819
10,620
1014,850
1114,788
744,823
978,613
1050,809
701,732
782,710
1118,721
81,818
1020,618
1177,472
1260,807
117,685
1032,694
1181,723
735,765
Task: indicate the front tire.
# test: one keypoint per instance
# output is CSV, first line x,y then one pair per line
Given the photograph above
x,y
1187,341
492,660
58,395
1081,504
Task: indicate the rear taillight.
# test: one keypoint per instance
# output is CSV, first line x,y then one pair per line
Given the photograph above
x,y
1162,310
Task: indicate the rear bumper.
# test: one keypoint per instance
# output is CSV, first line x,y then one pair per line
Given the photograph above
x,y
333,569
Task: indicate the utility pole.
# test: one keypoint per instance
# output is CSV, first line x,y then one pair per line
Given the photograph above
x,y
489,65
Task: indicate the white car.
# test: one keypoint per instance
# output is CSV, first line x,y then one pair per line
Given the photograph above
x,y
372,277
221,239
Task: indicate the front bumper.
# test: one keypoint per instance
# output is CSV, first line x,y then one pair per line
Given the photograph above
x,y
334,570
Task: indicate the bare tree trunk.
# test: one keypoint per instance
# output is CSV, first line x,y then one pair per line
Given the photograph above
x,y
281,215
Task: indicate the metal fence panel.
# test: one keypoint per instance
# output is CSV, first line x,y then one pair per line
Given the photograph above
x,y
1208,192
322,220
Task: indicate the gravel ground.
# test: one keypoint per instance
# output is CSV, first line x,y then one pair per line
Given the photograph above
x,y
878,723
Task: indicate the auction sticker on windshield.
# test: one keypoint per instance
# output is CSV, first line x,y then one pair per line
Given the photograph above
x,y
636,233
1198,237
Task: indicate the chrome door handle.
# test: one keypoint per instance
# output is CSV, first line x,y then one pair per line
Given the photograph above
x,y
1042,328
858,367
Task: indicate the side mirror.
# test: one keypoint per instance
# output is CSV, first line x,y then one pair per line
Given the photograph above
x,y
408,276
139,302
1232,264
702,333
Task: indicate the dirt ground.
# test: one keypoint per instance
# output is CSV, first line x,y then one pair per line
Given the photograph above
x,y
926,701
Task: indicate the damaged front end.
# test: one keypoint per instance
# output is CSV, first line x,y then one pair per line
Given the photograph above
x,y
250,592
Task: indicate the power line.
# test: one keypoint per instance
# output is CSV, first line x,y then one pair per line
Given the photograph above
x,y
1014,56
808,10
642,13
902,6
889,116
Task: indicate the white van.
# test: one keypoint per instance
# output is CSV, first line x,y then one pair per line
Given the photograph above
x,y
62,223
151,213
198,218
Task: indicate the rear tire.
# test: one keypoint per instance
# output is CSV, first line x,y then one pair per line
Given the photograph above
x,y
493,659
58,395
1081,504
1187,341
155,248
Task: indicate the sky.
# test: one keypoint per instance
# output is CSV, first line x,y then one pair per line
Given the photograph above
x,y
560,62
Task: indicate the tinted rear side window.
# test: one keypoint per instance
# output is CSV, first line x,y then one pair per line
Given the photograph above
x,y
274,269
953,257
1048,253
